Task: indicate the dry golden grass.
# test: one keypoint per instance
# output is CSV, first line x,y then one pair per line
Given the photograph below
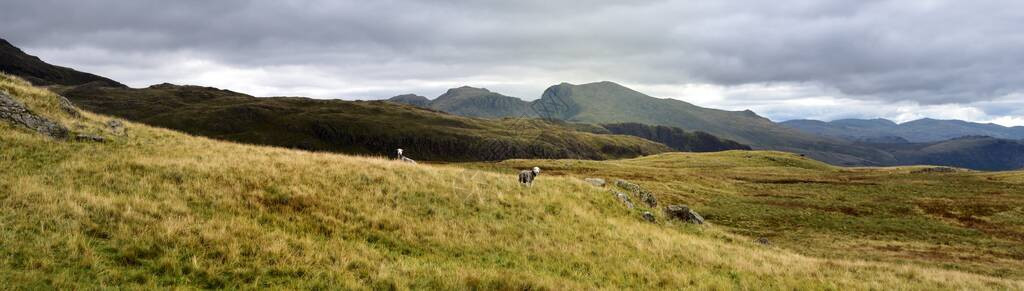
x,y
156,208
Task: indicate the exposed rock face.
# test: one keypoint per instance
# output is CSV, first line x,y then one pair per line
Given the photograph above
x,y
14,112
595,181
646,196
683,212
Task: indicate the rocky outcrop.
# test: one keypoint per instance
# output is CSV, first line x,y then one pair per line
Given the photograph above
x,y
646,196
684,213
595,181
16,113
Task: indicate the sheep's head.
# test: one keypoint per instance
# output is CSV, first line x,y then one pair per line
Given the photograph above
x,y
536,170
399,152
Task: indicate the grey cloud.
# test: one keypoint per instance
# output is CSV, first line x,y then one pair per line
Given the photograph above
x,y
930,52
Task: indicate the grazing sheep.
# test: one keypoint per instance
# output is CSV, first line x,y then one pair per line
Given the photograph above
x,y
526,176
403,158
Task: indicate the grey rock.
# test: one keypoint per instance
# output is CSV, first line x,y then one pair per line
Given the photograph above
x,y
763,241
595,181
624,198
646,196
935,170
116,126
68,107
648,216
16,113
89,137
684,213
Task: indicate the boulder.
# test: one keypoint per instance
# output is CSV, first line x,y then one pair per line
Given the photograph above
x,y
624,198
16,113
648,216
646,196
116,126
684,213
763,241
90,137
68,108
595,181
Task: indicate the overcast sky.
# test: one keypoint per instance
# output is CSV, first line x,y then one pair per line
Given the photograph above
x,y
817,59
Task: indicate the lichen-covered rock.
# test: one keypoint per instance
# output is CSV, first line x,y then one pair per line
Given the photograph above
x,y
646,196
116,126
595,181
16,113
684,213
68,107
624,198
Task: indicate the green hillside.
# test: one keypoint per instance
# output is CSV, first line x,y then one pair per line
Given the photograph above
x,y
356,127
607,102
152,208
674,137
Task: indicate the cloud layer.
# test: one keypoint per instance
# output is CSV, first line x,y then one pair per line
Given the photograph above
x,y
816,59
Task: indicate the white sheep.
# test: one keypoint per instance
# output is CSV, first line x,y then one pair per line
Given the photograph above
x,y
526,176
403,158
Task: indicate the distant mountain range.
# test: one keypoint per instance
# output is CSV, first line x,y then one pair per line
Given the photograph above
x,y
921,130
608,102
845,142
588,121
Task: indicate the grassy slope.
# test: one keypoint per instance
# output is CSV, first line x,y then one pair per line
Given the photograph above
x,y
160,208
967,220
353,127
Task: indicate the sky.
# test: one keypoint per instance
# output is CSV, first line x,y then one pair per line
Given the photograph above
x,y
802,59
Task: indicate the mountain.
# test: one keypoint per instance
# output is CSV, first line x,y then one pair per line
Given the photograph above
x,y
918,131
608,102
152,208
358,127
611,103
411,99
16,62
479,102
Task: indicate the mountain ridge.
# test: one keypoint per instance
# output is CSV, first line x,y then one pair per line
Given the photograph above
x,y
920,130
